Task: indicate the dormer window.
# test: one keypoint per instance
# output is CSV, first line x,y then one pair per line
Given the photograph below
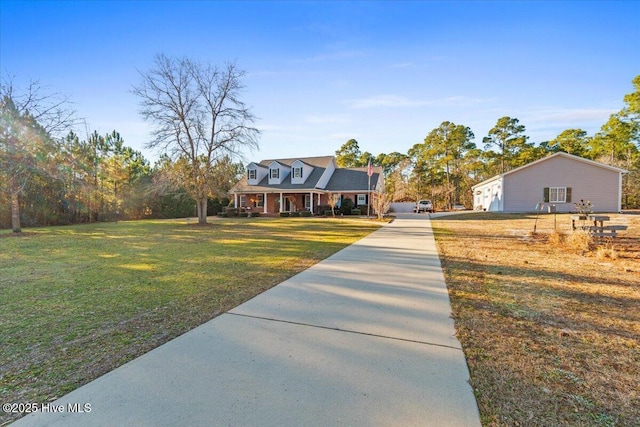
x,y
274,173
300,171
251,174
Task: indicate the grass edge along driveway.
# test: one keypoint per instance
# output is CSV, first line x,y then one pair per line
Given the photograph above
x,y
550,330
79,301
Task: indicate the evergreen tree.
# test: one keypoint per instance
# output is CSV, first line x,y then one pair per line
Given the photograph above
x,y
509,138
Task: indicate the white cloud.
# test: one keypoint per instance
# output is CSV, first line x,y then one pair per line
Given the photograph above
x,y
326,119
395,101
268,73
575,115
403,65
462,101
279,128
344,137
392,101
345,54
546,122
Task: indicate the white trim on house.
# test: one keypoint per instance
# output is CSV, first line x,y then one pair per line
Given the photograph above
x,y
620,187
300,171
557,194
326,176
278,172
259,172
308,176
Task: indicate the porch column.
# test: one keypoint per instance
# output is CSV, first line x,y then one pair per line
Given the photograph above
x,y
264,202
281,202
311,202
235,200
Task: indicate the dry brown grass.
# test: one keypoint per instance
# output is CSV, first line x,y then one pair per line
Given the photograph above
x,y
557,238
606,251
549,323
578,241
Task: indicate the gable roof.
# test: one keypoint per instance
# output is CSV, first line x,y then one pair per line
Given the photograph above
x,y
319,164
544,159
258,165
342,179
353,179
316,162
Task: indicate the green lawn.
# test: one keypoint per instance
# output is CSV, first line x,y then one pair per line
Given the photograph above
x,y
78,301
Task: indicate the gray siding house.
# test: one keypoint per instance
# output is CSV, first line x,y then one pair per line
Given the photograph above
x,y
560,179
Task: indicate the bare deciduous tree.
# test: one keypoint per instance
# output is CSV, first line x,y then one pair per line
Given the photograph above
x,y
28,119
381,203
332,199
198,116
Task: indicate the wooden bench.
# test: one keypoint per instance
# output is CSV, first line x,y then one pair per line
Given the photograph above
x,y
598,219
605,230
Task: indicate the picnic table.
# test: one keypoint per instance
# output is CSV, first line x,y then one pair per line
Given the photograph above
x,y
598,229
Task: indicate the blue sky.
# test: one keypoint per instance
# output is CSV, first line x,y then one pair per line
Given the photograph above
x,y
320,73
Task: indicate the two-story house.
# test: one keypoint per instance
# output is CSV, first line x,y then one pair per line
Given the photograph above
x,y
290,185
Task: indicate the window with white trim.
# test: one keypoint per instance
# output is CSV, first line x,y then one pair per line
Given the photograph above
x,y
297,172
251,174
557,194
260,202
362,199
307,201
274,173
243,200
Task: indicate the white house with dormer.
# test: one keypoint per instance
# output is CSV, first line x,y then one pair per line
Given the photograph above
x,y
306,183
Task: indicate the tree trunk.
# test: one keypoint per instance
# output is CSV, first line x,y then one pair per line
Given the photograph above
x,y
202,211
15,212
198,210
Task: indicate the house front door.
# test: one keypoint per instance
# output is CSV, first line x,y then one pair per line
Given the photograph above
x,y
290,204
495,198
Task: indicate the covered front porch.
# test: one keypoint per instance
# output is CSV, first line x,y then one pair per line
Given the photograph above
x,y
275,202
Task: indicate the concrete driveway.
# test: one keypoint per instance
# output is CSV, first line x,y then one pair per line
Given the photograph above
x,y
364,338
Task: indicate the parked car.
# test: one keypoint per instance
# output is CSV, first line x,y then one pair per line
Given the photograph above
x,y
424,206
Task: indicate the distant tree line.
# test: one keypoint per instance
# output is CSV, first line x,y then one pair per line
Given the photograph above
x,y
98,178
448,163
49,175
69,180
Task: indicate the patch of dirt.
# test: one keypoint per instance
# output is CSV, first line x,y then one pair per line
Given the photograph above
x,y
20,234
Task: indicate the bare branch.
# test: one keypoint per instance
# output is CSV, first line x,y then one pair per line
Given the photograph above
x,y
198,115
51,110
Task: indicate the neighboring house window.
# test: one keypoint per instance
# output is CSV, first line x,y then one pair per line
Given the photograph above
x,y
252,174
243,200
260,202
557,194
297,172
362,199
275,173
